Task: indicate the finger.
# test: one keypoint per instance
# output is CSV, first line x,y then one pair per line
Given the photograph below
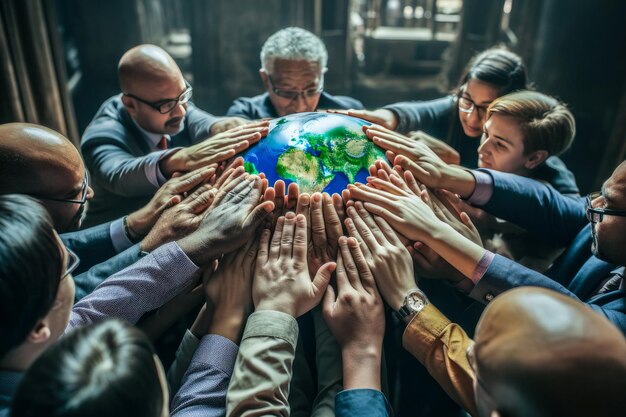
x,y
292,196
332,220
192,179
388,186
350,267
199,203
286,241
318,226
258,215
383,212
388,231
374,196
343,284
264,248
322,279
274,251
328,303
300,240
370,223
365,274
279,199
367,236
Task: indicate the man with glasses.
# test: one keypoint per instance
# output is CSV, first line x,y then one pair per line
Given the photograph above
x,y
293,64
140,138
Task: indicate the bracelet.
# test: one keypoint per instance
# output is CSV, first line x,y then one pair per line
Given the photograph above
x,y
128,231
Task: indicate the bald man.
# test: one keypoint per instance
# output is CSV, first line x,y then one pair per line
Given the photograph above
x,y
42,163
139,138
537,353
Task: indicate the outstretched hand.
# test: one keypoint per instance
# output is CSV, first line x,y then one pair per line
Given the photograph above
x,y
281,280
382,117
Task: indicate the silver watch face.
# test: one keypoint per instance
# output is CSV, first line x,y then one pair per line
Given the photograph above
x,y
415,301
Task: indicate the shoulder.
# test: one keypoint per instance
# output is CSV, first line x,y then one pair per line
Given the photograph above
x,y
555,172
328,101
255,107
111,124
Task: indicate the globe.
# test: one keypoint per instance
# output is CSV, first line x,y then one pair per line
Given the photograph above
x,y
321,152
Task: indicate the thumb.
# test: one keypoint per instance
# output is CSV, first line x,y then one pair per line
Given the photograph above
x,y
328,303
259,213
322,278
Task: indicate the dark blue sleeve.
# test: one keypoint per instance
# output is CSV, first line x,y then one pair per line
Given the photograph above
x,y
504,274
536,207
430,116
242,107
92,245
87,281
361,402
198,123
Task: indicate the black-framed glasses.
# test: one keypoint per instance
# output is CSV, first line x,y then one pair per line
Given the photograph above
x,y
83,196
596,214
167,104
466,105
292,94
72,262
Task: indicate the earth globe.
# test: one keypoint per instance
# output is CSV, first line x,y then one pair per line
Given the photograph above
x,y
321,152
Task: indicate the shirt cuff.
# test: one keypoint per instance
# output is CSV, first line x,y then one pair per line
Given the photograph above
x,y
118,237
269,323
218,352
482,267
361,402
483,190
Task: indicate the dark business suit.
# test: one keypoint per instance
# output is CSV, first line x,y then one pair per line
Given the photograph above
x,y
98,258
577,272
260,107
117,155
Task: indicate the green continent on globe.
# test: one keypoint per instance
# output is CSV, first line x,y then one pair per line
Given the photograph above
x,y
303,168
250,168
343,150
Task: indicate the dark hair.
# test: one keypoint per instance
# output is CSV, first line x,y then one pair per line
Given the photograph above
x,y
496,66
107,369
545,123
31,263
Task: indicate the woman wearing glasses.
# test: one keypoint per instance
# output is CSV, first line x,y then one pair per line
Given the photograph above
x,y
457,120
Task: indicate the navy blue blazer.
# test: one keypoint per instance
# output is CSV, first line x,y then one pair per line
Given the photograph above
x,y
98,258
260,107
577,273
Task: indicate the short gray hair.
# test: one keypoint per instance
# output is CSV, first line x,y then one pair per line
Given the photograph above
x,y
294,44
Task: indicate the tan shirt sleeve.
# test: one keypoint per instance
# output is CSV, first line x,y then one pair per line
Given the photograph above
x,y
441,347
260,382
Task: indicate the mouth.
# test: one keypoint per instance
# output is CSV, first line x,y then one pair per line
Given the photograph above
x,y
174,122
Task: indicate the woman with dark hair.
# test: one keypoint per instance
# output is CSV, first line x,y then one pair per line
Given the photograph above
x,y
109,369
457,120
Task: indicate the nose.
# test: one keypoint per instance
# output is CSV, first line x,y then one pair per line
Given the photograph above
x,y
485,145
180,110
301,104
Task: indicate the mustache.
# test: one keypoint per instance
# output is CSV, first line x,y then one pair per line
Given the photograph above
x,y
174,121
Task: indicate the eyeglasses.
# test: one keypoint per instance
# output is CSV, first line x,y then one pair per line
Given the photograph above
x,y
466,105
72,262
596,214
83,197
168,104
292,95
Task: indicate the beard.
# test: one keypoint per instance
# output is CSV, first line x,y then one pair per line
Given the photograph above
x,y
175,125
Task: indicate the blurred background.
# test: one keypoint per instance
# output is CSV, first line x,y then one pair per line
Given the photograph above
x,y
59,57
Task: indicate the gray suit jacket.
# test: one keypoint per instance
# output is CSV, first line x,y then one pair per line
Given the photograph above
x,y
117,155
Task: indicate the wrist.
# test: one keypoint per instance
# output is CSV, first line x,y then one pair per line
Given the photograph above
x,y
173,162
228,323
458,180
276,304
361,366
140,222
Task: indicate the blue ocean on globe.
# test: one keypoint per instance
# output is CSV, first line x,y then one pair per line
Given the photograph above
x,y
321,152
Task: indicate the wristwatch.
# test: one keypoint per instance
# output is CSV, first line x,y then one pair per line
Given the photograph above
x,y
414,301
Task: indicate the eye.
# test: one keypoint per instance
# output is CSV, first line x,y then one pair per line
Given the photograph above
x,y
500,145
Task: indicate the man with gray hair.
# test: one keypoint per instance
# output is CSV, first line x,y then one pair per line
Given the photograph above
x,y
293,63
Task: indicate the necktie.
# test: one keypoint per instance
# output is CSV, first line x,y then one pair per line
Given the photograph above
x,y
162,143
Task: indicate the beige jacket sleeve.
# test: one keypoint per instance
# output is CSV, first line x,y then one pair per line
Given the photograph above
x,y
260,382
441,347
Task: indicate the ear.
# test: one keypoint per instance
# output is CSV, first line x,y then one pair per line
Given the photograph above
x,y
264,78
40,334
130,105
495,413
535,159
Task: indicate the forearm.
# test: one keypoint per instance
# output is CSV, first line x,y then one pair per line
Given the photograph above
x,y
260,382
441,347
456,249
361,367
458,180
